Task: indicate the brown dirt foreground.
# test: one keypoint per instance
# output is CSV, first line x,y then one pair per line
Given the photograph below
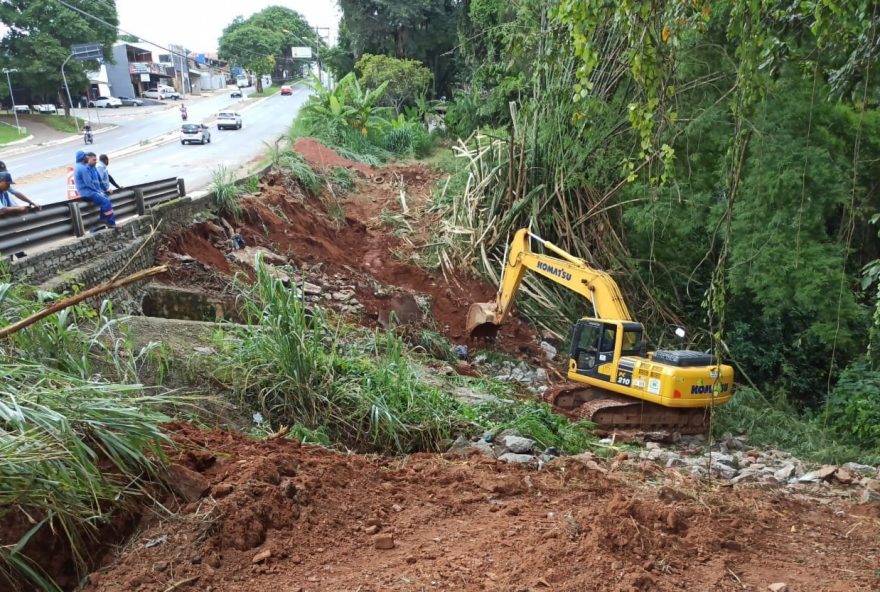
x,y
283,517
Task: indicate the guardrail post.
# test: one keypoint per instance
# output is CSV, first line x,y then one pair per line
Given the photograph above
x,y
181,188
139,201
76,218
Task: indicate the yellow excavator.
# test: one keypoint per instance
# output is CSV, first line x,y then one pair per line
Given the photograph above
x,y
615,381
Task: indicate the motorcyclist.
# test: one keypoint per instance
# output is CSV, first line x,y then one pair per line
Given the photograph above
x,y
183,112
87,134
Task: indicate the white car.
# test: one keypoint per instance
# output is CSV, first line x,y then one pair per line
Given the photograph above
x,y
46,108
161,93
106,102
228,120
195,132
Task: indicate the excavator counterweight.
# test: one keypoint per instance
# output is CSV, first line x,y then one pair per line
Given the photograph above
x,y
615,382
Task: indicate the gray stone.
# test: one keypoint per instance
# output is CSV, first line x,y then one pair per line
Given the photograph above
x,y
821,474
725,459
504,433
746,476
311,289
518,444
461,446
541,375
483,448
863,470
523,459
652,445
722,470
549,350
785,473
673,460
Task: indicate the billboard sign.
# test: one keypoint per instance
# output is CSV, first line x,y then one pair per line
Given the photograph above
x,y
302,53
86,51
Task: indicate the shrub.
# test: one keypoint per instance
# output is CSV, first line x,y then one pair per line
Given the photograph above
x,y
854,406
226,192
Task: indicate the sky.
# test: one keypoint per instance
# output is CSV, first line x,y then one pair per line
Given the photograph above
x,y
197,24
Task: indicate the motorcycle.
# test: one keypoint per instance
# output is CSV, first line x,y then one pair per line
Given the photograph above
x,y
87,136
183,114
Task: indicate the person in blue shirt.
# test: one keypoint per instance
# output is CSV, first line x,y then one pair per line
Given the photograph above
x,y
8,205
90,188
18,195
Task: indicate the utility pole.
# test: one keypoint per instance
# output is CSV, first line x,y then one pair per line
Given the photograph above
x,y
67,88
9,71
318,49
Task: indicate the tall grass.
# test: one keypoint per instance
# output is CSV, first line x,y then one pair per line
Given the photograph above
x,y
73,444
297,368
226,192
776,422
295,165
356,388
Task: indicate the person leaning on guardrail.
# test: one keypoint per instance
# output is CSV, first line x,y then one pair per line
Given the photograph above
x,y
17,194
7,206
106,178
89,187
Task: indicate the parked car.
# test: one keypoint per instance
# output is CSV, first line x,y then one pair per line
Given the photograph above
x,y
106,102
131,102
228,120
161,93
235,94
46,108
195,132
286,90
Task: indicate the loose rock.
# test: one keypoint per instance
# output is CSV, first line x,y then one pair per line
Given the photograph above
x,y
510,457
518,444
384,541
186,483
778,587
262,556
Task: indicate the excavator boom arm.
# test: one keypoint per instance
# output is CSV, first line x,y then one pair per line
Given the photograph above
x,y
565,269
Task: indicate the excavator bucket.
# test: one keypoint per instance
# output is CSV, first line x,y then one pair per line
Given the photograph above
x,y
481,320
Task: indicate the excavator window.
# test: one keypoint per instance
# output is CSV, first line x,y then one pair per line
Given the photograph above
x,y
587,344
632,342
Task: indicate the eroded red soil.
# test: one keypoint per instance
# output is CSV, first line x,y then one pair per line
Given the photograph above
x,y
354,244
279,516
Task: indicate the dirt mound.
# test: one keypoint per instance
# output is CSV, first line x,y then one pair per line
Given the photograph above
x,y
323,159
346,237
280,516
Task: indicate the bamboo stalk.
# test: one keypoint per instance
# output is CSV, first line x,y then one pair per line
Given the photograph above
x,y
67,302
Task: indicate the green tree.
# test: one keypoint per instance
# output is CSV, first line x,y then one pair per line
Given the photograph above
x,y
407,80
252,47
288,28
424,31
38,37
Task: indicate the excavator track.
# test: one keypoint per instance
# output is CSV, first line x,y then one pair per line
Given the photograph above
x,y
610,411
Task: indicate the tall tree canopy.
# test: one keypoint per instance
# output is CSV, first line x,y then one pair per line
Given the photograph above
x,y
280,28
39,35
424,31
253,48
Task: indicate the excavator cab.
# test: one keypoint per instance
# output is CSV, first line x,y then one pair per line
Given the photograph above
x,y
594,345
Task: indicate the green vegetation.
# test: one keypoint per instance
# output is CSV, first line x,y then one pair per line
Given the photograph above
x,y
267,92
405,80
226,192
61,123
296,166
36,40
9,134
267,37
355,388
350,119
725,182
75,446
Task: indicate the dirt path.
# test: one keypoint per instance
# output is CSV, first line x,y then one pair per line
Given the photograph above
x,y
277,516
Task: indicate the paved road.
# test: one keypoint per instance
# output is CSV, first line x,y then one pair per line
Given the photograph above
x,y
263,121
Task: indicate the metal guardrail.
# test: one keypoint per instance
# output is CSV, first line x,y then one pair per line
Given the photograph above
x,y
73,218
